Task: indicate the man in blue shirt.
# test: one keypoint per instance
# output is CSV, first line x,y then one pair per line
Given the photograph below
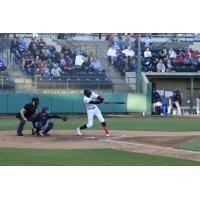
x,y
2,65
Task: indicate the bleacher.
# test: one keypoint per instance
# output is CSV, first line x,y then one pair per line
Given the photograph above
x,y
75,77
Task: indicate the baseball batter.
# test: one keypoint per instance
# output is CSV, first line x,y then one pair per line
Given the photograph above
x,y
91,100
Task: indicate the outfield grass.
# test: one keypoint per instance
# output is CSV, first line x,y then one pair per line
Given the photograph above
x,y
92,157
140,124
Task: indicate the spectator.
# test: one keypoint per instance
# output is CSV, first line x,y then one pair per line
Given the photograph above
x,y
86,65
45,72
56,71
147,53
119,63
129,52
69,65
169,66
147,41
41,44
2,65
133,65
179,59
160,66
112,54
163,53
79,60
172,54
96,65
23,43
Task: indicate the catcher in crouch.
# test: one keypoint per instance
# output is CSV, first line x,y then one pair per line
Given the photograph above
x,y
41,125
91,100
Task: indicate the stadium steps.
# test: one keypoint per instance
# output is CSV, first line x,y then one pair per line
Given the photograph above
x,y
98,49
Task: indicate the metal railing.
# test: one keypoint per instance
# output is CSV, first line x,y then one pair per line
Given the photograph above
x,y
68,84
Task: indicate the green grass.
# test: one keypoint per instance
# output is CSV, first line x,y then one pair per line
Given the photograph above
x,y
101,157
140,124
193,145
92,157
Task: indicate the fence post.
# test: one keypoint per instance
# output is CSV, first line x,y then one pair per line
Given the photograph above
x,y
2,83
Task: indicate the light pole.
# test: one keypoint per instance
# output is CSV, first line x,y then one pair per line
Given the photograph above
x,y
138,74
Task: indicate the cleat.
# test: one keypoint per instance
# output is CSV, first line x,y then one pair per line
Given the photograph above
x,y
79,131
107,134
20,134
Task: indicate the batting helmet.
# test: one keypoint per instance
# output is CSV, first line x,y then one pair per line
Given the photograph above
x,y
45,109
87,92
36,100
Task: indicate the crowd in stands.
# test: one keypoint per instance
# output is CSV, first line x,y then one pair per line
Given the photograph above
x,y
123,55
38,58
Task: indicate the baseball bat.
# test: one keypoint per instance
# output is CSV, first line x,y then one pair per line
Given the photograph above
x,y
114,102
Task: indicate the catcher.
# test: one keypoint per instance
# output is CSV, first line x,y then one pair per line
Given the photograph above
x,y
41,125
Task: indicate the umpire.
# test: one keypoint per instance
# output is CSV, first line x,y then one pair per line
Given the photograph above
x,y
26,114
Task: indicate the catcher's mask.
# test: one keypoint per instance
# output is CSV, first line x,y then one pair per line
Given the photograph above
x,y
36,100
87,93
45,110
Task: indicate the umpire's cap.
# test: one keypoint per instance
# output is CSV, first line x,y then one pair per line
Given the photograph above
x,y
87,92
36,100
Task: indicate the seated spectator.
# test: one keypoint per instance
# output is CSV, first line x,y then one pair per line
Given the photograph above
x,y
187,59
86,65
112,54
96,65
169,66
41,44
79,60
2,65
163,53
119,63
19,53
147,41
147,53
129,52
172,54
29,63
56,71
69,65
62,60
179,59
133,65
160,66
46,73
23,43
14,45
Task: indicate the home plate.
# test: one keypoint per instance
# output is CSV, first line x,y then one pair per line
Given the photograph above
x,y
90,137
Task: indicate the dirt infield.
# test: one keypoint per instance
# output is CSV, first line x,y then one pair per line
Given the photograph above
x,y
155,143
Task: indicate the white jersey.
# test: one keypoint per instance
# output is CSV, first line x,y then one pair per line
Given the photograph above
x,y
92,97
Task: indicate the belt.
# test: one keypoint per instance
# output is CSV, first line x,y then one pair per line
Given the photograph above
x,y
91,108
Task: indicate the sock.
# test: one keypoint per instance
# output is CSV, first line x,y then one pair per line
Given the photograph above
x,y
105,127
83,127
